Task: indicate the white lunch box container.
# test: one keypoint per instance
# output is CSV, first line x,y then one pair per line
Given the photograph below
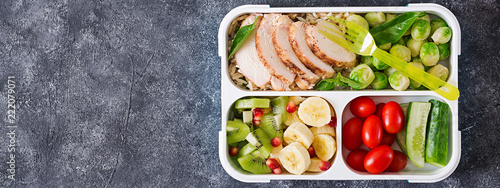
x,y
340,100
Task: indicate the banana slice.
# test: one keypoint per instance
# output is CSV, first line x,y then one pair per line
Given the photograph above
x,y
315,111
295,158
298,132
275,153
314,166
325,129
292,118
324,146
296,99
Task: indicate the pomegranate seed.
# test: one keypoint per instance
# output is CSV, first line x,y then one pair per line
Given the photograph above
x,y
333,122
291,107
256,122
234,151
272,163
257,113
324,165
276,141
277,170
311,151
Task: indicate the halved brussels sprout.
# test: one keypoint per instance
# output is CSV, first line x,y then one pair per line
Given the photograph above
x,y
399,81
379,64
414,46
362,74
426,17
429,53
442,35
437,23
414,84
444,51
358,20
439,71
401,52
389,71
375,18
368,60
389,17
420,29
386,46
380,81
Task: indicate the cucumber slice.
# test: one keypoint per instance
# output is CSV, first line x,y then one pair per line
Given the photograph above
x,y
252,103
401,135
436,148
279,107
415,131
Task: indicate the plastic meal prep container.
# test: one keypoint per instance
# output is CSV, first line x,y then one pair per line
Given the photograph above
x,y
340,100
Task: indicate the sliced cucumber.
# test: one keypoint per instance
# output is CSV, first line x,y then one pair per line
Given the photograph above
x,y
401,135
252,103
415,131
436,148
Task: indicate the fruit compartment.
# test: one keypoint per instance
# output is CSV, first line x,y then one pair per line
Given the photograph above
x,y
434,11
410,171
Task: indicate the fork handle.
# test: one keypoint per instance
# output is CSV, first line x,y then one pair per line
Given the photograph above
x,y
435,84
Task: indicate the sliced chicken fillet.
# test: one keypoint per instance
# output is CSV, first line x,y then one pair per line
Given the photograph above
x,y
267,53
327,50
286,53
297,37
248,59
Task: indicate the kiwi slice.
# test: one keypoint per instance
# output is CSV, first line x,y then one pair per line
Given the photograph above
x,y
252,103
279,107
272,125
245,150
261,141
254,163
236,131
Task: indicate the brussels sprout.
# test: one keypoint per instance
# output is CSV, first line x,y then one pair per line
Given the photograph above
x,y
401,52
420,29
426,17
389,71
444,51
437,23
406,39
386,46
368,60
399,81
414,84
389,17
442,35
401,41
429,53
414,46
362,74
379,64
439,71
358,20
375,18
380,81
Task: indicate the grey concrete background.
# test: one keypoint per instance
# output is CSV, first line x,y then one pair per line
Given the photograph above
x,y
127,93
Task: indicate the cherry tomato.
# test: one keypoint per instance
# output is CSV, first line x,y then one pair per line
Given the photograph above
x,y
378,111
378,159
387,139
392,117
351,134
398,163
372,131
362,107
356,159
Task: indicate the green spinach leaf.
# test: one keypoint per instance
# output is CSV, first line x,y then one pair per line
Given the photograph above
x,y
391,31
241,36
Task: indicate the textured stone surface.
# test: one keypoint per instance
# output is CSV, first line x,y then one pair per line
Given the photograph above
x,y
127,93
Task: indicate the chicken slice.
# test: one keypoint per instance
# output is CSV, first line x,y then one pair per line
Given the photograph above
x,y
287,55
297,37
327,50
248,59
267,53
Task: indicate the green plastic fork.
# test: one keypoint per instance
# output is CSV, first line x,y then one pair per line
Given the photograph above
x,y
361,42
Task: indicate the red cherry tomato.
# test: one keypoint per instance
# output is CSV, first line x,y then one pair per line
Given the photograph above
x,y
398,163
378,159
392,117
378,111
351,133
356,159
387,139
362,107
372,131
